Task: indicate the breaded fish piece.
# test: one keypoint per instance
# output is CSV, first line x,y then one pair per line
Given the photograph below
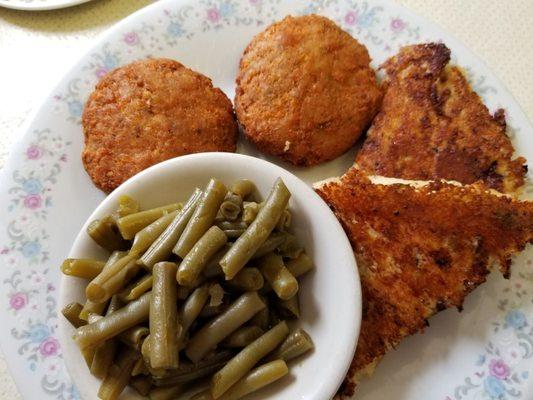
x,y
420,249
432,125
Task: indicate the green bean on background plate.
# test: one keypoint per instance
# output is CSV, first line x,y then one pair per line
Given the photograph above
x,y
115,323
82,267
297,343
146,236
289,309
247,279
211,334
118,376
142,384
243,187
164,317
198,256
106,234
137,288
300,265
231,207
133,223
72,313
277,275
247,358
162,247
134,337
257,233
165,393
202,218
243,336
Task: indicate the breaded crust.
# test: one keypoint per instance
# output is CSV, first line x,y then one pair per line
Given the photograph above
x,y
305,90
432,125
149,111
420,251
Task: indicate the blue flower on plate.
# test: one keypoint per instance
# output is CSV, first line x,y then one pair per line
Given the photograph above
x,y
366,20
38,333
32,186
494,388
481,360
75,108
174,29
110,61
226,9
31,249
516,319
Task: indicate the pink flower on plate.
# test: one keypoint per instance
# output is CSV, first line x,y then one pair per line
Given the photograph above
x,y
213,15
49,347
100,72
255,2
34,152
131,38
351,17
33,201
397,25
499,369
18,301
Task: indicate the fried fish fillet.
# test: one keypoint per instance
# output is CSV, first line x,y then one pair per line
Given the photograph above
x,y
420,248
432,125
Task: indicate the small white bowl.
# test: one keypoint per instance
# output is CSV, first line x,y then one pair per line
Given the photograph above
x,y
330,296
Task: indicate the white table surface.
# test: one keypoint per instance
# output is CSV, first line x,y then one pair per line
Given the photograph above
x,y
37,48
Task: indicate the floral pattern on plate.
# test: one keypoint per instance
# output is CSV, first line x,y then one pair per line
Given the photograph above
x,y
33,192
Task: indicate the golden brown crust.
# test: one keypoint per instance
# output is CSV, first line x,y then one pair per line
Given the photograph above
x,y
147,112
305,90
420,251
432,125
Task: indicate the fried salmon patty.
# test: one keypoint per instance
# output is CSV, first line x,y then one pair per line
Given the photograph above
x,y
305,90
149,111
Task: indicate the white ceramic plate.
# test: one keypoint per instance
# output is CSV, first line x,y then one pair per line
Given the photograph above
x,y
331,290
45,196
40,5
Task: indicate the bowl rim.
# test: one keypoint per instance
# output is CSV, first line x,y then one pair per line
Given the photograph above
x,y
328,389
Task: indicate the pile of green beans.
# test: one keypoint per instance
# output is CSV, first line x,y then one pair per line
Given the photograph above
x,y
194,294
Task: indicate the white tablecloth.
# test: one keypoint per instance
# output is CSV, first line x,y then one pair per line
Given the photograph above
x,y
37,48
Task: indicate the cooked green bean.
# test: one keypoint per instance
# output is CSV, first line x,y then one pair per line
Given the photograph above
x,y
105,352
142,384
133,223
262,318
216,295
165,393
271,244
247,358
196,259
291,247
244,308
243,187
278,276
188,372
105,233
234,233
88,355
242,337
247,279
162,247
118,376
250,211
140,368
134,337
184,292
256,379
212,311
72,313
145,349
136,289
213,268
115,323
164,317
202,218
299,265
257,233
92,308
127,206
297,343
193,306
82,267
231,207
111,280
290,308
284,221
148,235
